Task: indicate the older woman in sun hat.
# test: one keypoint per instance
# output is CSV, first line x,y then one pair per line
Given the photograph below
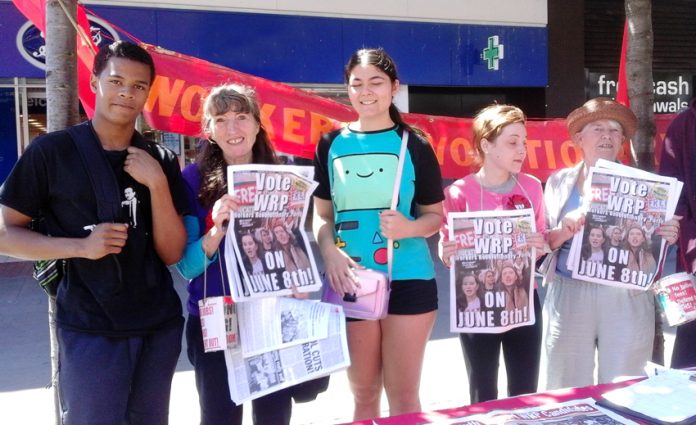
x,y
583,318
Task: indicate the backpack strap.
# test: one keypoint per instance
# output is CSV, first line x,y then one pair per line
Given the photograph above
x,y
102,178
99,171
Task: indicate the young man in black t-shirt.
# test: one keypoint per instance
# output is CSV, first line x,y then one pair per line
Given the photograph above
x,y
119,318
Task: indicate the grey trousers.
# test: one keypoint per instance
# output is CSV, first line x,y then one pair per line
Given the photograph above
x,y
584,319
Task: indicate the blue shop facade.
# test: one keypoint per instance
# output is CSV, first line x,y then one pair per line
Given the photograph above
x,y
448,68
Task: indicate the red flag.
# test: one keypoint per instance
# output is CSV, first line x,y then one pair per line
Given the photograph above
x,y
622,84
34,10
86,50
295,118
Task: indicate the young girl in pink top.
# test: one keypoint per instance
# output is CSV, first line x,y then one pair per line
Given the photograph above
x,y
500,140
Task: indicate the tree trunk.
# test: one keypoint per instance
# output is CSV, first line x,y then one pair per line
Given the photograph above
x,y
639,77
62,111
640,93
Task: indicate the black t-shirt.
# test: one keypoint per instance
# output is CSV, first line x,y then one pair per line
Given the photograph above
x,y
125,294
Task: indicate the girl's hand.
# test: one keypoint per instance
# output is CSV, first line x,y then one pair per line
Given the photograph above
x,y
446,250
394,225
339,271
669,230
536,240
297,294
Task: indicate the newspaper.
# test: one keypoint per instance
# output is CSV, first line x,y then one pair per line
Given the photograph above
x,y
266,235
666,397
252,377
619,245
278,322
491,278
573,412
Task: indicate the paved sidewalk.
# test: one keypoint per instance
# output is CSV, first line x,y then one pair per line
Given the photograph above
x,y
25,363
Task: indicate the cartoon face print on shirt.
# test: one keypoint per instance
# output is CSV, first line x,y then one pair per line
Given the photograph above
x,y
365,176
363,179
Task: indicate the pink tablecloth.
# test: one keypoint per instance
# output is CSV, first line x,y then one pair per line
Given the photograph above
x,y
530,400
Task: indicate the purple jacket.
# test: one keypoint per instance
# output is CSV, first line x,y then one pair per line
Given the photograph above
x,y
214,281
677,160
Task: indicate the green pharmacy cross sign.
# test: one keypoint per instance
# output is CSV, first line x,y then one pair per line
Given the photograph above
x,y
493,53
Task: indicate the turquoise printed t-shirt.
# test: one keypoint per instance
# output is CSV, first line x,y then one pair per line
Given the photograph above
x,y
356,171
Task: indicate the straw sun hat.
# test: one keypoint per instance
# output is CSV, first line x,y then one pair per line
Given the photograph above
x,y
602,108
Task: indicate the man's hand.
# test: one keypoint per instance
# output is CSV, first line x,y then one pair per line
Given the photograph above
x,y
105,239
144,168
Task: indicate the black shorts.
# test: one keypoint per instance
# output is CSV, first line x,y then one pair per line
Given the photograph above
x,y
411,296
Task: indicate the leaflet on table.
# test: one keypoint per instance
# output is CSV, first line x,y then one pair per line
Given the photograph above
x,y
277,322
676,296
492,273
266,235
665,397
619,245
573,412
252,377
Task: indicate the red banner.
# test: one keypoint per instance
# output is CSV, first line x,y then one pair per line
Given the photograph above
x,y
295,119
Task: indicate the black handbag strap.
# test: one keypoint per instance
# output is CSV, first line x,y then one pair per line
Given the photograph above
x,y
102,178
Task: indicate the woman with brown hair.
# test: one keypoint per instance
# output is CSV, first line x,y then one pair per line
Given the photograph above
x,y
232,122
500,139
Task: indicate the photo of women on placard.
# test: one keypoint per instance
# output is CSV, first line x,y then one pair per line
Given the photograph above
x,y
250,254
593,246
469,294
487,279
265,238
516,295
614,236
294,255
640,256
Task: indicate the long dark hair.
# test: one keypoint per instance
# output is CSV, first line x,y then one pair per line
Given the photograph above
x,y
210,159
380,59
586,249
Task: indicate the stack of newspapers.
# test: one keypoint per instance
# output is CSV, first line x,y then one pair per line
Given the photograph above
x,y
619,245
283,341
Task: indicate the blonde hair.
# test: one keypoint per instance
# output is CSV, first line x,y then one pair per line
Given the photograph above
x,y
490,122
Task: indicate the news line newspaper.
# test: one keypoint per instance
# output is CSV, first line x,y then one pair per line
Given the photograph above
x,y
573,412
491,278
618,245
283,341
255,376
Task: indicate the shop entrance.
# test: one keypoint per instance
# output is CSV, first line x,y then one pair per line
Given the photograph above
x,y
22,118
